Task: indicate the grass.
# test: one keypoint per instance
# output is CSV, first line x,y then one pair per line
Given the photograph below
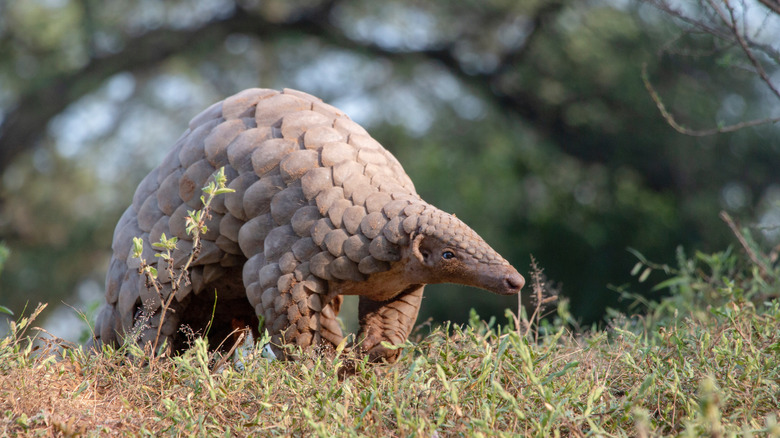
x,y
682,368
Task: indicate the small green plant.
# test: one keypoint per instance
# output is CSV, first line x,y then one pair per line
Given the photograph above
x,y
709,281
17,346
178,275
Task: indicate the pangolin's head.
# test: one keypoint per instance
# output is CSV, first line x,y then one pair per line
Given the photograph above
x,y
445,250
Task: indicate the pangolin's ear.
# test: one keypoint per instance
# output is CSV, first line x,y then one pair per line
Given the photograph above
x,y
416,241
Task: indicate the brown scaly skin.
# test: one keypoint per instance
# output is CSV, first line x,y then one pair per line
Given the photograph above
x,y
320,210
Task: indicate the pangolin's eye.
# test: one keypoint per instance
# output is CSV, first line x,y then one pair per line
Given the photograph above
x,y
446,255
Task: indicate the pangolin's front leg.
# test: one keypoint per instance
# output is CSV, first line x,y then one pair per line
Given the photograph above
x,y
296,315
390,321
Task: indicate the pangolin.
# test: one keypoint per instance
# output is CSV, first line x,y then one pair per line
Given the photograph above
x,y
320,210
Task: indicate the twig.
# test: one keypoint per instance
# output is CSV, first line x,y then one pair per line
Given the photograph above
x,y
772,5
731,23
57,340
240,339
752,254
694,132
694,23
729,32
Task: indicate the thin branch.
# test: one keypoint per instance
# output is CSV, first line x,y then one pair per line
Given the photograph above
x,y
774,6
694,132
694,23
668,47
765,270
731,22
713,30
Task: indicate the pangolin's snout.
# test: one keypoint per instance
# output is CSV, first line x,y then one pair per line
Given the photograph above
x,y
514,282
504,280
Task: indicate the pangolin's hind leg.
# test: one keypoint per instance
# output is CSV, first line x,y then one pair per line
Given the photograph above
x,y
329,326
390,321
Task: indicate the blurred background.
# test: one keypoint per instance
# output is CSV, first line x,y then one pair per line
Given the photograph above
x,y
529,119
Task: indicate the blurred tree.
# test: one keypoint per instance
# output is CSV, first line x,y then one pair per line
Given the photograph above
x,y
528,119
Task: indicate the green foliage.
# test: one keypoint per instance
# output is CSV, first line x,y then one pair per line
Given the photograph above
x,y
707,283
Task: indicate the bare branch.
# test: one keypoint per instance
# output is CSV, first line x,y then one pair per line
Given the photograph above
x,y
731,22
697,24
774,6
694,132
730,32
705,27
765,270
